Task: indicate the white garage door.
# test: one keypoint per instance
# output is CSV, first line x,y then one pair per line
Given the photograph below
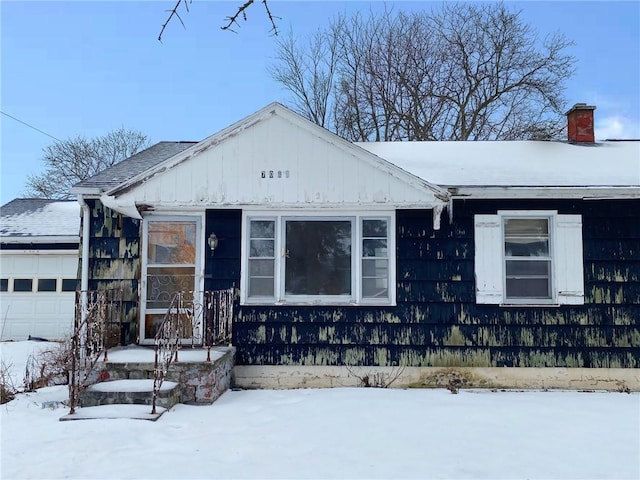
x,y
37,294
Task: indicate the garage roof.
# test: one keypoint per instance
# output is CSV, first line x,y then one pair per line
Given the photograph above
x,y
38,220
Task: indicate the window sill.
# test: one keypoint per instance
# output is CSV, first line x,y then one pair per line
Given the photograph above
x,y
529,305
272,303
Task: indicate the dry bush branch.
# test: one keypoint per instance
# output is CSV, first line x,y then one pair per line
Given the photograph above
x,y
7,388
376,379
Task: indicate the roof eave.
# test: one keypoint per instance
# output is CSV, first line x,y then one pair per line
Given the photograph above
x,y
86,191
40,239
595,192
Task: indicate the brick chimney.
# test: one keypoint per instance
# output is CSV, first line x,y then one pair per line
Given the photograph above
x,y
580,123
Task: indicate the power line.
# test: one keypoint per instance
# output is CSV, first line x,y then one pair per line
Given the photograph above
x,y
30,126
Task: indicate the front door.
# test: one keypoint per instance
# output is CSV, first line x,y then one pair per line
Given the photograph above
x,y
170,267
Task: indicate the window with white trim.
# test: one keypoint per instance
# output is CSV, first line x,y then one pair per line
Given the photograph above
x,y
318,259
529,258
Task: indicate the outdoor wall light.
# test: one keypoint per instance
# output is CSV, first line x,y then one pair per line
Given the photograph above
x,y
213,242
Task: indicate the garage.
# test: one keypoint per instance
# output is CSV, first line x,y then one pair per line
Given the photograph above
x,y
38,268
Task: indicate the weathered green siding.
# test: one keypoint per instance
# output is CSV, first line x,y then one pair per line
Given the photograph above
x,y
114,263
436,321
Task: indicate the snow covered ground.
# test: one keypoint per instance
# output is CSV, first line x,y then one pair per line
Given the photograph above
x,y
333,433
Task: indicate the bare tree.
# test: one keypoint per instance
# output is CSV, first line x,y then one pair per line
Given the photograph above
x,y
70,161
230,21
464,72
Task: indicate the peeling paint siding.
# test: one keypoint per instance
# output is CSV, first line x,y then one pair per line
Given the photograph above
x,y
114,262
437,322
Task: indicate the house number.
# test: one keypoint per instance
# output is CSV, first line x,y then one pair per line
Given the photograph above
x,y
274,174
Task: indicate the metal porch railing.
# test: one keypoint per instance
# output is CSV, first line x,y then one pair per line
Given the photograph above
x,y
97,320
211,320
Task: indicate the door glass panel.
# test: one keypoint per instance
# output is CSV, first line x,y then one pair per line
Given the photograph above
x,y
318,257
163,283
153,321
170,268
172,243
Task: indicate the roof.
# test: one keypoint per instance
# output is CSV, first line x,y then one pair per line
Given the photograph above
x,y
130,167
516,163
610,169
37,220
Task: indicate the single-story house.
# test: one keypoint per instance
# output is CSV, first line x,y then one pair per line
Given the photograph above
x,y
516,262
39,241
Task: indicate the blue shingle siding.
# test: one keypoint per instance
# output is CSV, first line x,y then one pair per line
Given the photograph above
x,y
436,321
115,263
222,268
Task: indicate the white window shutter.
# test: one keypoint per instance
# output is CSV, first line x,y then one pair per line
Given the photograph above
x,y
568,260
488,259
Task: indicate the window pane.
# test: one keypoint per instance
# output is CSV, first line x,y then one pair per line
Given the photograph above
x,y
262,229
374,248
262,245
172,242
261,287
374,268
526,227
526,237
374,288
261,248
374,228
69,284
46,284
528,268
22,285
318,258
4,284
526,247
163,283
528,288
261,268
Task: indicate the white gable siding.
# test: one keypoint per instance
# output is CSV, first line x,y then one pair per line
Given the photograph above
x,y
307,168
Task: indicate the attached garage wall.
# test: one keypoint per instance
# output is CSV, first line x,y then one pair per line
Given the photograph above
x,y
46,314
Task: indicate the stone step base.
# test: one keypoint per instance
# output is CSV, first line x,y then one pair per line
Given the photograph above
x,y
132,392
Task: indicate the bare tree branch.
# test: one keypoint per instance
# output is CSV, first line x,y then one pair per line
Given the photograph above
x,y
464,72
230,20
69,161
242,12
174,13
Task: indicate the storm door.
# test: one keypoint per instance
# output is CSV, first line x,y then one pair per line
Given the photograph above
x,y
170,273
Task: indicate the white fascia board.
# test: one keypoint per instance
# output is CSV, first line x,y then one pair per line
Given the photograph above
x,y
40,239
86,191
586,193
40,251
181,208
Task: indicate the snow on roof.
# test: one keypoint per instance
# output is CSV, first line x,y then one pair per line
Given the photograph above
x,y
30,218
516,163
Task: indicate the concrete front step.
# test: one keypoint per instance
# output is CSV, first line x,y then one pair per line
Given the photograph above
x,y
199,381
115,411
130,391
